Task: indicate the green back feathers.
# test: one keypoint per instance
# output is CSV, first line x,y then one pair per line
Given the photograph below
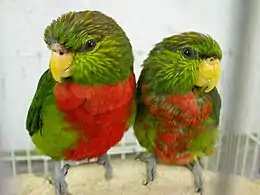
x,y
44,89
170,69
109,60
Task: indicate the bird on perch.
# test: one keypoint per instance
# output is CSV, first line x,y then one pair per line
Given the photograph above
x,y
178,104
84,101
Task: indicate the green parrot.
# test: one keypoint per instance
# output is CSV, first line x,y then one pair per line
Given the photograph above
x,y
178,104
84,102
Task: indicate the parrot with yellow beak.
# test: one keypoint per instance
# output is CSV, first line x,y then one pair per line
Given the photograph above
x,y
85,101
178,104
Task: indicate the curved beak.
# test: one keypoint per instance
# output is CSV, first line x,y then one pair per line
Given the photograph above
x,y
208,74
60,65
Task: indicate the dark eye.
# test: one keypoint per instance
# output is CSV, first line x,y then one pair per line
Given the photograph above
x,y
90,45
188,53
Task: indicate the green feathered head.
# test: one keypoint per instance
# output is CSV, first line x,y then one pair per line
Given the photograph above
x,y
88,48
183,61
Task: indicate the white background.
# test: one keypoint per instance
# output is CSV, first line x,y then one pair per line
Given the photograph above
x,y
24,56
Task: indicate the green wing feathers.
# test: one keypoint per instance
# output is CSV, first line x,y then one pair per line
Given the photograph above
x,y
34,116
216,103
131,120
145,133
45,123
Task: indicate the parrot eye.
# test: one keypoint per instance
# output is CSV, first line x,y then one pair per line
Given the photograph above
x,y
188,53
90,45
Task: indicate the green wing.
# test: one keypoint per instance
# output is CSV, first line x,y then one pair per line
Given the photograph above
x,y
216,102
145,136
34,116
45,122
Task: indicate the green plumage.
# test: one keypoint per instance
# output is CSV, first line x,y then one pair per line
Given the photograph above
x,y
171,108
168,71
107,63
45,122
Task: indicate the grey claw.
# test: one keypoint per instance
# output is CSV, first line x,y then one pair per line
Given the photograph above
x,y
140,157
61,187
151,165
195,168
65,169
104,160
108,173
151,169
143,157
199,190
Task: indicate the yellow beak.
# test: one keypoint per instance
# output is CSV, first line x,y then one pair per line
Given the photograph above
x,y
208,74
60,65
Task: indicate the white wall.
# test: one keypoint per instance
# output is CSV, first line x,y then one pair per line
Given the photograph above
x,y
24,55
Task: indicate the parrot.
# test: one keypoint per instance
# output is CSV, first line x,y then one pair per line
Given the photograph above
x,y
178,104
84,101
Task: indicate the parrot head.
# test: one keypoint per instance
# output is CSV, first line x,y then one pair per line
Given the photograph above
x,y
88,48
184,61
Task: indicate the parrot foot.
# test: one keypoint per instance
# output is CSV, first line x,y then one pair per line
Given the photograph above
x,y
61,187
196,169
151,165
104,160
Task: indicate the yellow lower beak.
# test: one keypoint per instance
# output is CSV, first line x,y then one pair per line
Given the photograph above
x,y
60,64
208,74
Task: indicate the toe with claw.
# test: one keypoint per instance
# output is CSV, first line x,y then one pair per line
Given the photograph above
x,y
61,187
104,160
151,164
195,168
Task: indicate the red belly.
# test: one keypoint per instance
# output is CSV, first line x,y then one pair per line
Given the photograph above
x,y
99,133
172,143
172,146
99,114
